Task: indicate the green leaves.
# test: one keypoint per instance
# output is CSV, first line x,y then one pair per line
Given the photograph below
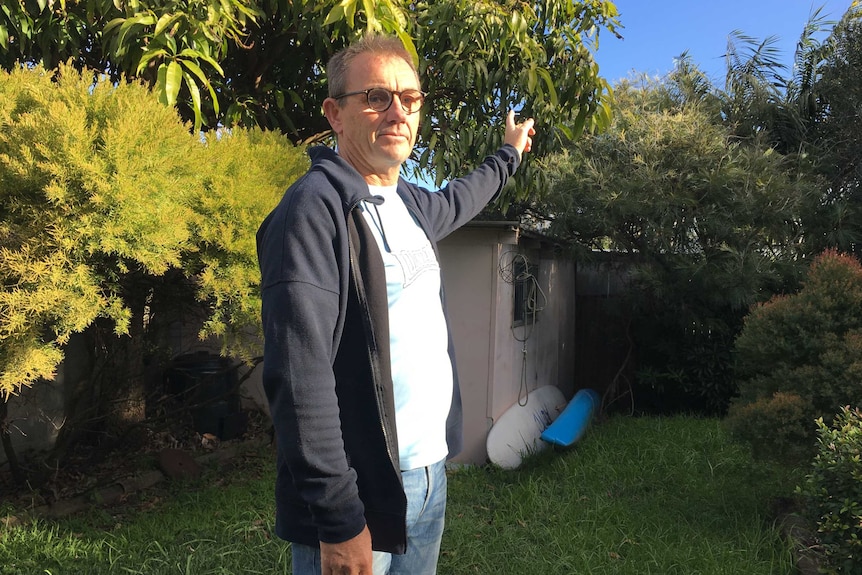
x,y
832,491
344,10
122,27
489,57
259,62
176,43
105,196
170,77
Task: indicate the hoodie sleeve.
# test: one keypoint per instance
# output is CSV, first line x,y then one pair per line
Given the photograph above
x,y
300,288
463,198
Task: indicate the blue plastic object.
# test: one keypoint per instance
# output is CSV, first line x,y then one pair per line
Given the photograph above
x,y
574,420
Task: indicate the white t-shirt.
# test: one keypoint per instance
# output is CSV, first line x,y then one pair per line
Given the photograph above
x,y
419,341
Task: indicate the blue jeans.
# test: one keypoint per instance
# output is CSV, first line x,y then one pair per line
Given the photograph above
x,y
425,488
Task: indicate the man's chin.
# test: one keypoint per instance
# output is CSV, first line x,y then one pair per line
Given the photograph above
x,y
397,153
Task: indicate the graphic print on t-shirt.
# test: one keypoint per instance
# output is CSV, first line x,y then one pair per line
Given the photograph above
x,y
416,262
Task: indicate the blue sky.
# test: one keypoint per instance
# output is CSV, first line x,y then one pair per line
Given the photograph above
x,y
656,31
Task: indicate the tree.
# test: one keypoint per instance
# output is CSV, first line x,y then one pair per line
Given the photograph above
x,y
810,110
115,222
259,62
762,95
709,225
837,133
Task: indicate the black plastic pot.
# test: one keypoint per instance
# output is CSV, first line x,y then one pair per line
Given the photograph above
x,y
208,382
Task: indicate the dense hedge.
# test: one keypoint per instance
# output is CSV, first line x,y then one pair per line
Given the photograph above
x,y
799,358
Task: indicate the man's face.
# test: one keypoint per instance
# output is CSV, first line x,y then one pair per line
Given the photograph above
x,y
375,143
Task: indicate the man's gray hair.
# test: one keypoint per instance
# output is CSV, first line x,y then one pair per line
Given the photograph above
x,y
336,69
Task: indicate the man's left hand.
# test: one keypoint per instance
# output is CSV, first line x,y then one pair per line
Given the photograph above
x,y
520,134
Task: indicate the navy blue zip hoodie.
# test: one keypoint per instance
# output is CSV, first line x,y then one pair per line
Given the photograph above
x,y
326,367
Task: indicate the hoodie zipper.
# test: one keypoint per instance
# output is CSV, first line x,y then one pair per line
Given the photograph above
x,y
373,357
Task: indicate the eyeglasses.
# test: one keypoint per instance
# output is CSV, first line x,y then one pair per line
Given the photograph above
x,y
380,99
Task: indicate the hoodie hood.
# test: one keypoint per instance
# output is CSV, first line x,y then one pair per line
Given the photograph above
x,y
349,183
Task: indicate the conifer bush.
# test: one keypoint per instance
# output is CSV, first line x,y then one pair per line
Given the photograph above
x,y
775,425
112,212
799,358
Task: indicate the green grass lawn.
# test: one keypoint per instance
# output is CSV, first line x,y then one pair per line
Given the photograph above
x,y
636,496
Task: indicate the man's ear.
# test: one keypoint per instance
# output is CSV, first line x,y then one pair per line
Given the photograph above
x,y
332,111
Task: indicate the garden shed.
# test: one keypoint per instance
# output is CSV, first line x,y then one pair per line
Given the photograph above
x,y
510,296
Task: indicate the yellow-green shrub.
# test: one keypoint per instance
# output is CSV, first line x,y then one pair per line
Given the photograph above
x,y
110,205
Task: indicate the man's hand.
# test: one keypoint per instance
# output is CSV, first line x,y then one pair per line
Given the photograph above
x,y
352,557
519,135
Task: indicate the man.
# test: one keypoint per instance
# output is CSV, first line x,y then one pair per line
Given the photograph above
x,y
358,360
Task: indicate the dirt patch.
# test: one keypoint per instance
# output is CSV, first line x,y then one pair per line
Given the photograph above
x,y
90,477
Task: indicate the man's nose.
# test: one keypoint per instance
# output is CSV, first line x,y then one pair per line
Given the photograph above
x,y
397,108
